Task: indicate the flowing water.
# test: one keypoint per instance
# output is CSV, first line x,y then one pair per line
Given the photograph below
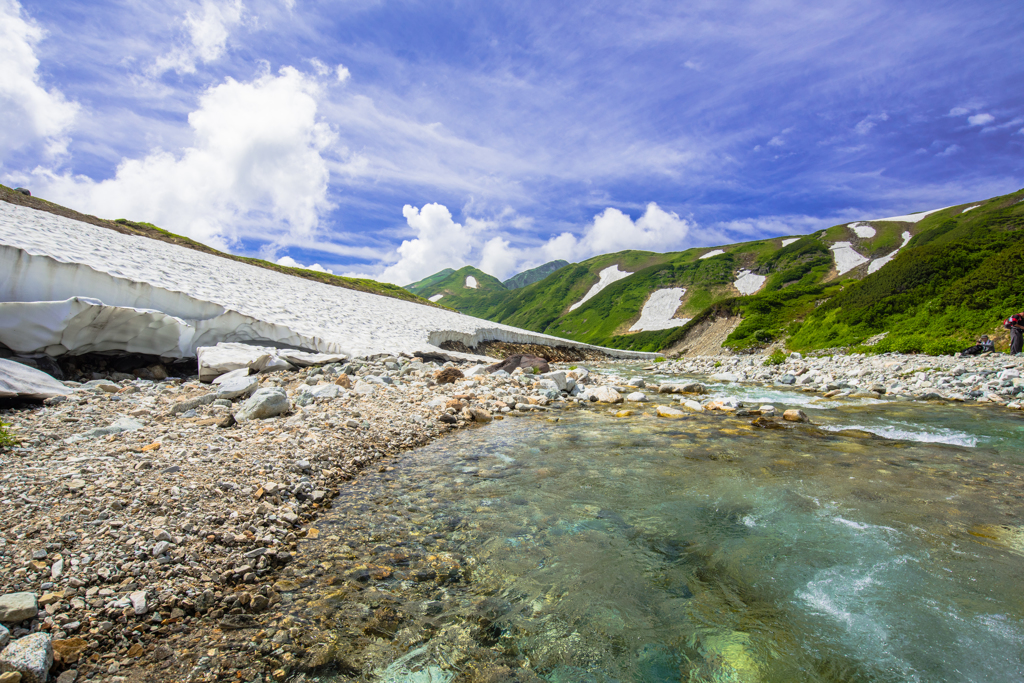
x,y
882,543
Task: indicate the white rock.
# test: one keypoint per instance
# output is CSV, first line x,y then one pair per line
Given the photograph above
x,y
724,377
237,386
25,382
605,395
665,411
139,605
692,405
265,402
637,397
558,378
17,607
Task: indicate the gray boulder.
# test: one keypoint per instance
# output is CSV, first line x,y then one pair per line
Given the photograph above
x,y
5,637
31,656
237,386
17,607
559,378
265,402
21,381
606,395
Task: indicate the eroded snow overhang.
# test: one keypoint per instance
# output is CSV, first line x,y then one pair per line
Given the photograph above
x,y
72,287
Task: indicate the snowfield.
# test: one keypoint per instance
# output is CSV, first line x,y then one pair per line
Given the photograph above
x,y
748,282
471,282
436,298
68,286
862,230
713,252
879,262
608,276
658,311
788,241
847,258
909,218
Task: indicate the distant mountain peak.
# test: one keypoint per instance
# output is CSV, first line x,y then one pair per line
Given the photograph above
x,y
528,277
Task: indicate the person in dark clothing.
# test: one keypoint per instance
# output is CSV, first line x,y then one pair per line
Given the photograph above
x,y
1015,324
984,345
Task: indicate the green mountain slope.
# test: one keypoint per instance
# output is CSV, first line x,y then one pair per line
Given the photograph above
x,y
528,277
460,289
428,282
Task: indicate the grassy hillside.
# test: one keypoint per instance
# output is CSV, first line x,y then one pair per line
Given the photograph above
x,y
454,291
959,277
528,277
429,282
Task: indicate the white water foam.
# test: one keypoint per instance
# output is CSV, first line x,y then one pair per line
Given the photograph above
x,y
658,311
608,276
903,431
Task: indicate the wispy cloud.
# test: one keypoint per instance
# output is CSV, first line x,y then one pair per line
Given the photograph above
x,y
206,28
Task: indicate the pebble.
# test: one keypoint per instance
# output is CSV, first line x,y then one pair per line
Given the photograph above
x,y
17,607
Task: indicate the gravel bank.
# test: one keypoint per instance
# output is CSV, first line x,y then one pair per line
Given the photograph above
x,y
993,378
158,537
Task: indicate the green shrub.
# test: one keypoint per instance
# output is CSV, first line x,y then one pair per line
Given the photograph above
x,y
718,363
777,357
659,359
6,438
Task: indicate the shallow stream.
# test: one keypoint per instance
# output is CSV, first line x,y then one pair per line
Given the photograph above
x,y
884,542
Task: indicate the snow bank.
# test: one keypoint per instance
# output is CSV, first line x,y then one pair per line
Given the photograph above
x,y
863,230
879,262
788,241
72,287
436,298
658,311
846,257
607,276
909,218
970,208
471,282
713,252
748,282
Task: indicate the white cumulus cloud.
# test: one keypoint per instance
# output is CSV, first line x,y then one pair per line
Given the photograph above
x,y
612,230
440,243
980,119
289,262
255,167
208,27
29,113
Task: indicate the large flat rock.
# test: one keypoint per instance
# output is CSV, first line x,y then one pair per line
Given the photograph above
x,y
21,381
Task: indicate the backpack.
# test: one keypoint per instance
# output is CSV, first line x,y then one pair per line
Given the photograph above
x,y
1012,320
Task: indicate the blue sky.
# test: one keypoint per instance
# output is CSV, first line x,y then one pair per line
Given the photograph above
x,y
393,139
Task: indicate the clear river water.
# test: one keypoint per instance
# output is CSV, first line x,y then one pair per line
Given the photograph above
x,y
883,542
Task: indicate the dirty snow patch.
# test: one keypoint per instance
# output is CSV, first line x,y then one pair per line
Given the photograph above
x,y
471,282
863,230
909,218
436,298
846,257
749,283
789,241
658,311
879,262
714,252
608,276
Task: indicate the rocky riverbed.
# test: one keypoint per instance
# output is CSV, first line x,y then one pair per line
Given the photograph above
x,y
146,527
992,378
152,532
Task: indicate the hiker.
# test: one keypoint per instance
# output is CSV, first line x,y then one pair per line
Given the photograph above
x,y
984,345
1015,324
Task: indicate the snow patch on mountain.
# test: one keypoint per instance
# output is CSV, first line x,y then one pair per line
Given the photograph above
x,y
909,218
748,282
608,276
847,258
713,252
436,298
788,241
471,282
862,230
658,311
879,262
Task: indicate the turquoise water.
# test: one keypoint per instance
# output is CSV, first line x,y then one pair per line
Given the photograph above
x,y
704,548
